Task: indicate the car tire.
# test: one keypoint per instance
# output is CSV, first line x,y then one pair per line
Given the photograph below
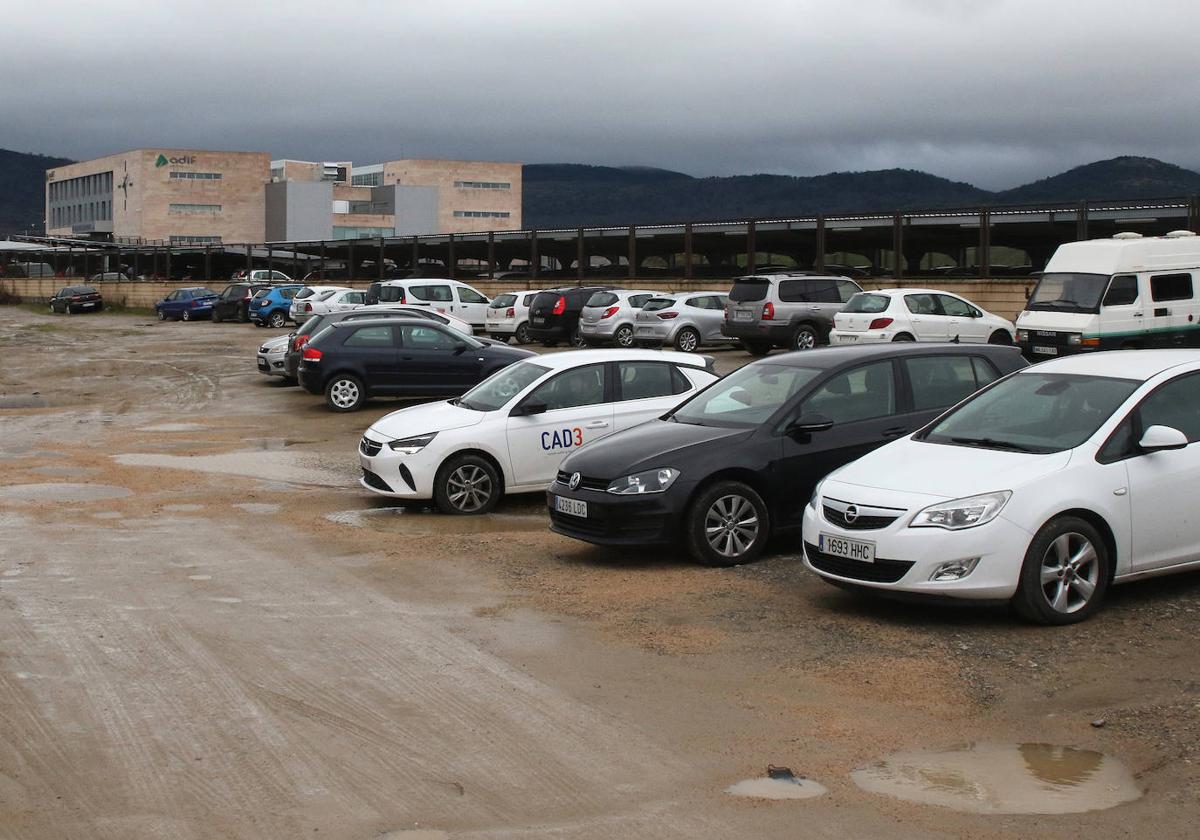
x,y
1000,337
756,348
277,320
162,316
467,485
522,334
623,336
727,524
577,340
687,340
903,337
216,316
67,310
503,339
805,337
345,393
1066,573
187,315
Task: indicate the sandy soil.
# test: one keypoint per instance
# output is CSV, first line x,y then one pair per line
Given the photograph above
x,y
238,642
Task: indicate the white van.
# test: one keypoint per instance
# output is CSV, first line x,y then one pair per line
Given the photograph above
x,y
458,299
1126,292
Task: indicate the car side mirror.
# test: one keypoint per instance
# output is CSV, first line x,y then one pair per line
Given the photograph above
x,y
528,409
460,347
1158,438
808,424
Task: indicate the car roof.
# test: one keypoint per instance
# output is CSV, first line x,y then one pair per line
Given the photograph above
x,y
366,322
1123,364
572,358
791,275
831,357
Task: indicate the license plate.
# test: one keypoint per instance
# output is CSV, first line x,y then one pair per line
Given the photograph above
x,y
742,316
847,339
645,330
571,507
538,319
92,303
1045,351
847,549
262,365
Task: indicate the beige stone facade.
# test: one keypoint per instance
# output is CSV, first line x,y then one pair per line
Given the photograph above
x,y
472,195
170,196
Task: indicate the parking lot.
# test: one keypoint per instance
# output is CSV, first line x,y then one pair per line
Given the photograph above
x,y
210,630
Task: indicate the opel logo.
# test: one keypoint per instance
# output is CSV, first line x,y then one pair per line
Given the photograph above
x,y
851,513
574,482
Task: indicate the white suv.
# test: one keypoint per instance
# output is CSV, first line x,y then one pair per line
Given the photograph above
x,y
459,299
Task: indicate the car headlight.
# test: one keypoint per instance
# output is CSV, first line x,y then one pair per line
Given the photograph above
x,y
962,513
651,481
412,445
1075,339
816,494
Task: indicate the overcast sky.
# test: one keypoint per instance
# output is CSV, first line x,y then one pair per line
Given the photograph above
x,y
995,93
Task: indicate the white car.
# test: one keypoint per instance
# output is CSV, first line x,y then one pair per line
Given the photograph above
x,y
1041,489
510,432
339,300
917,315
608,316
508,316
301,308
449,296
443,318
271,354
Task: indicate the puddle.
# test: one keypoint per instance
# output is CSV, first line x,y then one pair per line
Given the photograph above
x,y
173,427
989,778
183,508
226,600
62,492
65,472
22,402
767,788
426,522
257,507
290,467
199,577
106,514
274,444
13,520
415,834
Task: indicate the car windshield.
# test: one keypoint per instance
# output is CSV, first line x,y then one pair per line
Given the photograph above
x,y
655,304
1033,412
503,301
747,289
867,303
745,398
498,389
1068,292
310,326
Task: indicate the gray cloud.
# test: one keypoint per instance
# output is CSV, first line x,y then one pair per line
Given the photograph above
x,y
994,93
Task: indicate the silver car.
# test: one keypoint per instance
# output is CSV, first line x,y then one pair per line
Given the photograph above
x,y
609,316
686,321
271,355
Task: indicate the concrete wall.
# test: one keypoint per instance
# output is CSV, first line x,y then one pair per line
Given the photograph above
x,y
416,210
443,174
299,211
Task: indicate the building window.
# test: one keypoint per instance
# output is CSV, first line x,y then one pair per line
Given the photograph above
x,y
195,209
371,179
483,185
481,214
196,176
361,232
195,240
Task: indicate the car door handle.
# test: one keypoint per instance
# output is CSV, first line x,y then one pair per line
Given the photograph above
x,y
597,424
1139,314
895,431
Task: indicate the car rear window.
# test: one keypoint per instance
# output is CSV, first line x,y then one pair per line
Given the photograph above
x,y
810,290
261,293
503,301
326,295
655,304
602,299
84,290
867,303
306,292
746,289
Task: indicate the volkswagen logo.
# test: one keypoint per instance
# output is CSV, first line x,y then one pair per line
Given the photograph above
x,y
574,482
851,513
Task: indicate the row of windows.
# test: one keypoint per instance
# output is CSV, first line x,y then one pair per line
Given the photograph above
x,y
1163,287
85,185
371,179
482,185
196,176
361,232
88,211
481,214
195,240
195,209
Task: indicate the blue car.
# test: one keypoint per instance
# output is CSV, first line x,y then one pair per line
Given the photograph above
x,y
187,304
270,306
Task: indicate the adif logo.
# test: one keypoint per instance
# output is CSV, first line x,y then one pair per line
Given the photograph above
x,y
162,160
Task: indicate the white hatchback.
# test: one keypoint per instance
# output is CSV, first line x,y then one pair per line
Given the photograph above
x,y
917,315
510,432
1041,489
338,300
508,316
301,308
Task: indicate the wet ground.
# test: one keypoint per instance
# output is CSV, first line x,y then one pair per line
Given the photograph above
x,y
208,630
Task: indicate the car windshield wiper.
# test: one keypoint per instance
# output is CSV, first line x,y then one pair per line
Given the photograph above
x,y
1057,304
991,443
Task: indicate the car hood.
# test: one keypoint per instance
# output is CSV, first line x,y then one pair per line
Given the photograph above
x,y
1055,320
421,419
501,352
276,342
657,443
946,471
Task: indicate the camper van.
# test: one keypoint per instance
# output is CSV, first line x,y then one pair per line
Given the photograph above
x,y
1130,291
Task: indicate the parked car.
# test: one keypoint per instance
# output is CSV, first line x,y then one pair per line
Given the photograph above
x,y
342,300
29,269
793,310
510,432
608,317
260,275
508,316
302,302
234,302
72,299
735,464
686,322
108,276
450,296
554,314
354,360
270,357
271,306
1042,490
917,315
186,304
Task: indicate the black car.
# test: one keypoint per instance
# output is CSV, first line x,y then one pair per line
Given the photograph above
x,y
72,299
554,314
739,461
234,301
353,360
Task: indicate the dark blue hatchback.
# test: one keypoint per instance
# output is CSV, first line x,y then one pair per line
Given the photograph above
x,y
186,304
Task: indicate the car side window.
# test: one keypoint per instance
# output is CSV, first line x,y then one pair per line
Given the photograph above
x,y
355,297
528,299
571,389
940,381
466,295
420,337
863,393
638,301
643,380
1171,287
1120,444
432,293
1175,404
371,337
954,307
922,304
278,275
287,294
1122,291
793,291
696,302
985,371
846,290
824,291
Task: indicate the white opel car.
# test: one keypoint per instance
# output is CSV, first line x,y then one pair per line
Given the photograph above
x,y
510,432
917,315
1042,490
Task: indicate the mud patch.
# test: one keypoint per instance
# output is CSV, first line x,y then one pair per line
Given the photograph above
x,y
65,472
989,778
430,523
34,493
23,401
288,467
414,834
173,427
186,508
257,507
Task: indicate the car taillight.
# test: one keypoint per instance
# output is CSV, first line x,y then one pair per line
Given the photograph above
x,y
299,341
195,303
308,307
312,354
246,299
611,311
768,311
511,313
402,300
560,306
880,323
667,316
75,297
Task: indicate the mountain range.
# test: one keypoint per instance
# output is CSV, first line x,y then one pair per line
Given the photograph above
x,y
575,195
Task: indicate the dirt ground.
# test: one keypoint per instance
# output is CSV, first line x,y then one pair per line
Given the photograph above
x,y
209,630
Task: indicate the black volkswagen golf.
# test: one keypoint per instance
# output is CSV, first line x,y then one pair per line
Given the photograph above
x,y
737,463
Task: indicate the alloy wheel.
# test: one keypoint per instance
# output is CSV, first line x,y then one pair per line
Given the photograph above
x,y
624,336
469,488
1070,573
805,339
688,341
344,393
731,525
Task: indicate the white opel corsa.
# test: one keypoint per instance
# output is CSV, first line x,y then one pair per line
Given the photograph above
x,y
510,432
1042,489
917,315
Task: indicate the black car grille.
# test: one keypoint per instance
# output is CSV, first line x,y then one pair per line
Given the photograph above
x,y
375,481
861,523
881,571
585,483
369,447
